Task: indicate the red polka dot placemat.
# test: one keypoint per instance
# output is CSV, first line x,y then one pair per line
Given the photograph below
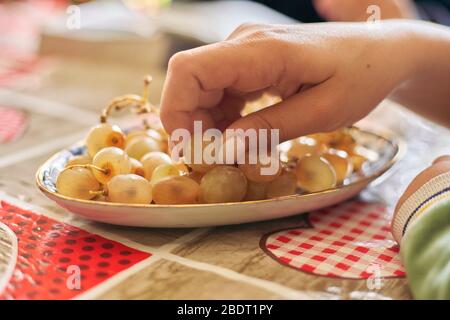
x,y
351,240
13,123
59,261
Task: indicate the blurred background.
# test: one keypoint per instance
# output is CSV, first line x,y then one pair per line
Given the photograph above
x,y
103,48
87,44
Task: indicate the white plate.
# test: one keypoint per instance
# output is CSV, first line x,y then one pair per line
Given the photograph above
x,y
388,149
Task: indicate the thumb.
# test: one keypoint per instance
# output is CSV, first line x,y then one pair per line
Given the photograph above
x,y
309,111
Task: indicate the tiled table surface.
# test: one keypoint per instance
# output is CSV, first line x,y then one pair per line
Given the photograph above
x,y
223,262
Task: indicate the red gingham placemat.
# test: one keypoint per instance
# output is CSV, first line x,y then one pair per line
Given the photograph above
x,y
346,241
50,253
13,122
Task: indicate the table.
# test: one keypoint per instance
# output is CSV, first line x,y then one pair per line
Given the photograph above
x,y
64,99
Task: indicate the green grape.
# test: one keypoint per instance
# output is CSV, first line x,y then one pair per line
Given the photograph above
x,y
78,183
254,172
81,159
314,174
140,146
110,162
164,171
153,159
223,184
283,185
176,190
137,167
255,191
129,188
102,136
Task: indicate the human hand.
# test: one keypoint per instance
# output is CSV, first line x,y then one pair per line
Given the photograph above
x,y
328,75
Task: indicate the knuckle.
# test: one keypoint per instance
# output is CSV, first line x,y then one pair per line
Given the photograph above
x,y
262,122
246,30
260,34
179,61
246,26
268,36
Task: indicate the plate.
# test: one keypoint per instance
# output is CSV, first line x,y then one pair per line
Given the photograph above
x,y
385,146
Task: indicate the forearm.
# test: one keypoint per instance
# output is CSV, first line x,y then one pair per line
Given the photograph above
x,y
427,91
332,74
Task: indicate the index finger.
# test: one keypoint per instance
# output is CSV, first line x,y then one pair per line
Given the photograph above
x,y
196,78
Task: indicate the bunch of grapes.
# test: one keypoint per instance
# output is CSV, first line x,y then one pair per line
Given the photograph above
x,y
135,167
323,161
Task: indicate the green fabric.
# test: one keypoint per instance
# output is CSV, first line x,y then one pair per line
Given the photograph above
x,y
425,251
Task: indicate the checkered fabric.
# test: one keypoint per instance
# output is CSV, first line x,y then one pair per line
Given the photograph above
x,y
12,124
352,240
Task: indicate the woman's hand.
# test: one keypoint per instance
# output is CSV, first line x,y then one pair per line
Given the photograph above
x,y
328,75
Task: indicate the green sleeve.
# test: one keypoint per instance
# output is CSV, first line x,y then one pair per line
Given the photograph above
x,y
425,251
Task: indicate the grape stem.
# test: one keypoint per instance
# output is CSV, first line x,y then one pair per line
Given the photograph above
x,y
140,104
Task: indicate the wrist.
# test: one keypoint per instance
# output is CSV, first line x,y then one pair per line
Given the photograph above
x,y
424,47
398,46
409,47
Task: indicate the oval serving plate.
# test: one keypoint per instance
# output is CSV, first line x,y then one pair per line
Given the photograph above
x,y
385,147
